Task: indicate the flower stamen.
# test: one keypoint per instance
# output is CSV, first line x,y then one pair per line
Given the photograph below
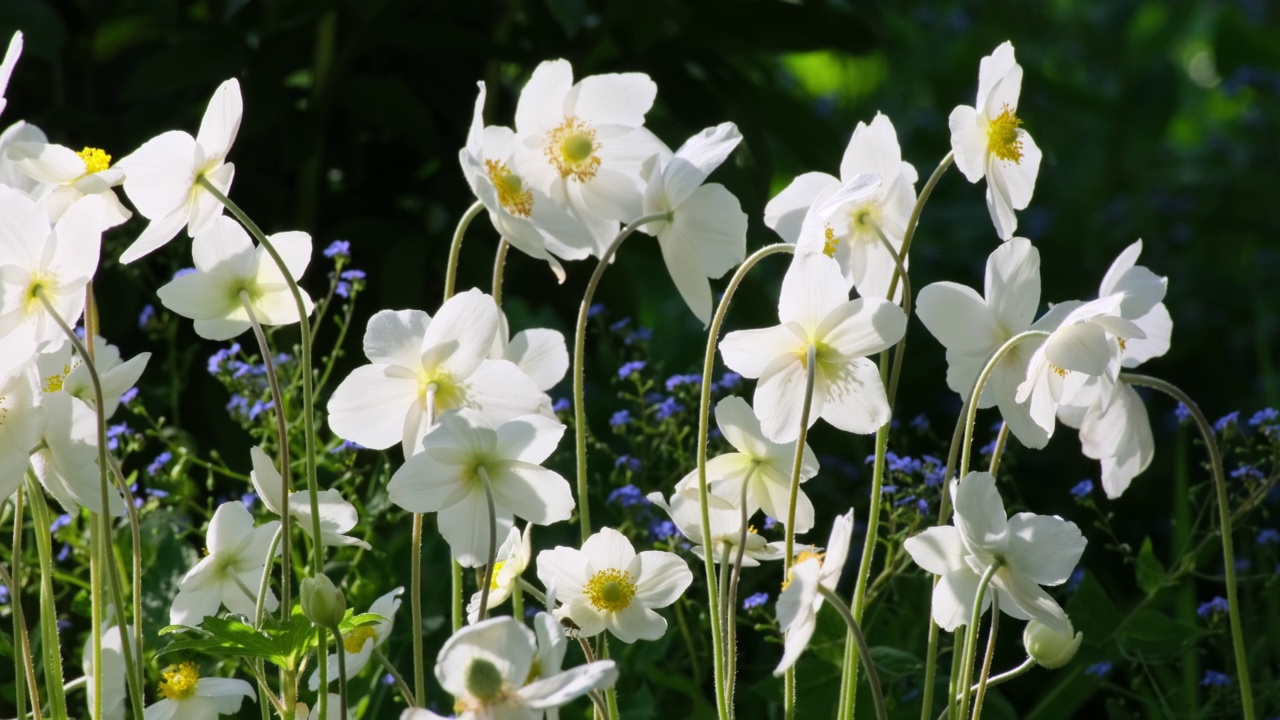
x,y
512,194
572,149
610,590
1004,139
95,160
179,681
831,242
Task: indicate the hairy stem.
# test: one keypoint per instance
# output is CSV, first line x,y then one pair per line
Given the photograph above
x,y
455,247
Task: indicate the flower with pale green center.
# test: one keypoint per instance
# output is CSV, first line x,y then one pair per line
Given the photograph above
x,y
608,585
462,455
229,575
1028,550
185,695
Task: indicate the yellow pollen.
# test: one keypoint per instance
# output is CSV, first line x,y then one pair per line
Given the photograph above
x,y
95,160
1003,138
610,590
829,245
801,557
752,529
572,148
497,568
354,640
179,681
1120,340
1062,372
511,193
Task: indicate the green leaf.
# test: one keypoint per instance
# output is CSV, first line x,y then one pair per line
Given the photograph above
x,y
1153,634
894,663
1092,611
1151,572
229,636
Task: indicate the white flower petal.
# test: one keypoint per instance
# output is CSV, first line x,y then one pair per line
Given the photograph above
x,y
370,405
960,319
563,687
980,514
938,549
1044,549
221,121
1013,284
663,578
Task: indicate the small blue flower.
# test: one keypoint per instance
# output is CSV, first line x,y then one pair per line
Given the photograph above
x,y
668,407
63,553
1182,413
183,271
595,309
769,523
628,495
238,405
907,465
249,499
115,432
642,334
217,359
922,506
1098,670
561,405
1268,536
157,493
350,445
1222,423
676,381
620,418
338,247
1247,471
920,422
1243,564
158,464
259,406
729,380
59,522
388,679
751,602
628,462
888,489
620,325
1073,582
352,274
1265,416
660,530
1213,678
1082,489
146,316
1216,606
128,396
628,368
4,595
989,448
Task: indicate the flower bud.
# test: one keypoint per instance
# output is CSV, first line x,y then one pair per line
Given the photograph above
x,y
1047,647
322,602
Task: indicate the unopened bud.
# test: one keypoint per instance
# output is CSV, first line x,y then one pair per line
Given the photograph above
x,y
323,602
1049,648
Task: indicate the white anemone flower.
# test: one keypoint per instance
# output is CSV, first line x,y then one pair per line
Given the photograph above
x,y
23,423
65,176
530,220
162,176
59,261
227,262
231,572
509,564
113,680
760,464
360,643
988,140
815,310
800,600
1031,550
607,585
540,353
462,453
184,695
486,667
11,56
685,510
413,354
337,516
707,233
849,233
583,144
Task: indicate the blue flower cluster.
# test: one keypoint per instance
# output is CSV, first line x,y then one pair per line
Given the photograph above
x,y
676,381
338,248
162,460
667,408
630,368
346,279
1231,419
1267,420
1213,678
632,464
1216,606
1082,489
756,600
627,496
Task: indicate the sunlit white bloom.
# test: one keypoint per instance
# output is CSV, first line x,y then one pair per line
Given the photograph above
x,y
231,572
760,464
988,141
509,563
849,233
414,355
184,695
6,66
540,353
583,144
800,600
530,220
162,176
56,261
10,175
362,641
685,510
337,516
21,428
463,458
65,176
815,310
115,375
607,585
113,668
1031,550
707,233
486,667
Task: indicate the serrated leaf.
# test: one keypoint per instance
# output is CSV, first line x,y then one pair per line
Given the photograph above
x,y
229,636
1151,572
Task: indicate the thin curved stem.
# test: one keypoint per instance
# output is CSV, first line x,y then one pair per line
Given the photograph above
x,y
499,264
49,641
980,691
971,639
406,692
415,576
342,674
972,405
873,676
1002,678
731,640
579,350
260,602
914,220
483,612
848,680
1224,522
455,247
811,362
1001,438
19,620
704,413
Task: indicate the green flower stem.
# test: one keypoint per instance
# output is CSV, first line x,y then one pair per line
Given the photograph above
x,y
348,311
1224,522
342,673
810,364
849,678
579,350
971,639
704,412
405,691
980,690
455,579
282,440
135,529
860,640
517,602
998,452
611,692
971,407
483,612
260,599
731,627
49,641
957,661
308,405
415,578
14,583
723,583
534,592
455,247
499,263
1003,678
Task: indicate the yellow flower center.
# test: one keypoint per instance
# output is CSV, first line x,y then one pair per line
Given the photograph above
x,y
354,640
1061,372
497,568
54,382
95,160
830,244
511,192
1003,137
179,681
801,557
572,148
610,590
1121,342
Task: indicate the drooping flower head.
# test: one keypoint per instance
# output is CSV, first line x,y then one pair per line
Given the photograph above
x,y
231,572
800,600
359,643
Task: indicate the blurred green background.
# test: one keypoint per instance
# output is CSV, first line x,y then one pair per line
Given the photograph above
x,y
1158,120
